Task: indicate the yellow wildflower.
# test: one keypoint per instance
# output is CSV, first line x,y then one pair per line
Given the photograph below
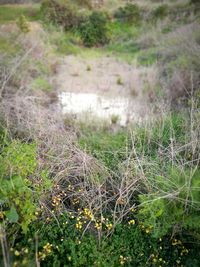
x,y
17,253
131,222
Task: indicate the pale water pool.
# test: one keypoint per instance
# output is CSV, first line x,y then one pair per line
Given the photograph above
x,y
98,106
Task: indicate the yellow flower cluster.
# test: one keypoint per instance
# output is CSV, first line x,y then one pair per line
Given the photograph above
x,y
123,260
70,187
176,242
22,252
87,213
157,259
23,262
109,226
2,213
133,210
184,251
98,225
56,200
75,201
147,230
79,224
131,222
47,249
17,253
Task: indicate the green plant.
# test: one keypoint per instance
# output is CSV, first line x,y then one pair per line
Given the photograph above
x,y
94,30
7,46
41,83
164,215
194,2
160,134
20,187
130,245
88,68
160,12
114,119
23,24
130,13
84,3
119,81
64,13
105,146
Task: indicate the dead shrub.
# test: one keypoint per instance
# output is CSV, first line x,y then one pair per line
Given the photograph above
x,y
180,52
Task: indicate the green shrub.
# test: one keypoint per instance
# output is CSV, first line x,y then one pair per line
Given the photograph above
x,y
23,24
114,119
195,2
20,186
160,12
64,13
130,13
160,134
173,204
84,3
60,244
105,146
94,30
41,83
119,81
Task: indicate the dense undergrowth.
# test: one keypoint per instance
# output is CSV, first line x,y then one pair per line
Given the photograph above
x,y
145,213
78,194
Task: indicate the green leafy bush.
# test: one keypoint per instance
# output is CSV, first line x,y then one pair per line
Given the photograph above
x,y
130,13
173,206
160,134
20,186
195,2
130,245
94,30
84,3
64,13
105,146
23,24
160,12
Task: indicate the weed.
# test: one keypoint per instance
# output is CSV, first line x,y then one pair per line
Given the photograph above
x,y
130,13
119,81
88,68
64,43
160,12
23,24
18,202
114,119
94,30
41,83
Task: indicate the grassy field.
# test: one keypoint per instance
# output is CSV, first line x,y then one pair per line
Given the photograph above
x,y
9,13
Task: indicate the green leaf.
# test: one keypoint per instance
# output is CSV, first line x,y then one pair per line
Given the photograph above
x,y
12,215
